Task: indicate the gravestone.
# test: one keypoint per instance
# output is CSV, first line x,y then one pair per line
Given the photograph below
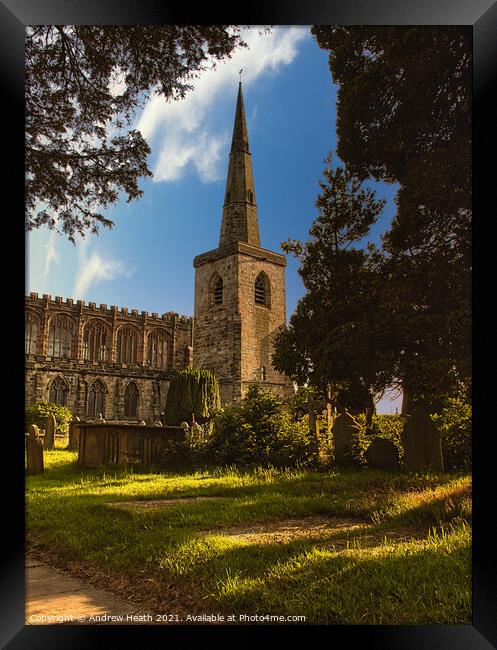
x,y
50,426
73,443
422,442
343,432
382,454
34,451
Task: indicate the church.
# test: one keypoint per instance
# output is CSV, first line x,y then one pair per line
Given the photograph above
x,y
108,360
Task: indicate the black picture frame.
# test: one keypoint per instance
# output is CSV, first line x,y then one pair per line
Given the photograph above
x,y
481,15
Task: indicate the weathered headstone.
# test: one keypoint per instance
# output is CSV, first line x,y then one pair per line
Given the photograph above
x,y
73,443
382,454
422,442
343,431
34,451
50,426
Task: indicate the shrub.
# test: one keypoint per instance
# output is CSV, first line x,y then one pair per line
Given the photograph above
x,y
192,391
384,426
258,431
37,414
454,424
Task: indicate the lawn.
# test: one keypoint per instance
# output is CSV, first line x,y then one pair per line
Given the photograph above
x,y
349,547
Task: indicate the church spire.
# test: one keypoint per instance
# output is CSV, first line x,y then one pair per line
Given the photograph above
x,y
240,221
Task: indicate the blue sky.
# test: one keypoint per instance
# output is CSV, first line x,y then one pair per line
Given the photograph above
x,y
145,261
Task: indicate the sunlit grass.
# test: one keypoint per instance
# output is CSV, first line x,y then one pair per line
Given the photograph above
x,y
424,580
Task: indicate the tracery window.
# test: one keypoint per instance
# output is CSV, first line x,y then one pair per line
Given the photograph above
x,y
131,400
157,349
58,391
60,336
218,291
96,399
126,345
262,291
31,333
95,341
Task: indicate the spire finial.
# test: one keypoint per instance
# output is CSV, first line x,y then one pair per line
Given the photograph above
x,y
240,73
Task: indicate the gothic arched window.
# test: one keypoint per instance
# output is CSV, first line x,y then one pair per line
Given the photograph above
x,y
262,290
95,341
126,345
218,290
250,196
157,349
60,336
58,391
96,399
131,400
31,333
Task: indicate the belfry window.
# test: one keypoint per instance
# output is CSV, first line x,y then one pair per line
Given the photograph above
x,y
218,291
157,349
96,401
260,289
58,391
30,333
95,342
250,196
60,336
126,345
131,400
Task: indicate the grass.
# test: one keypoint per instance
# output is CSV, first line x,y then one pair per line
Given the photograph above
x,y
179,554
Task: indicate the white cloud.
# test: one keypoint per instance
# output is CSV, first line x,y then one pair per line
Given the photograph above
x,y
52,254
179,129
93,270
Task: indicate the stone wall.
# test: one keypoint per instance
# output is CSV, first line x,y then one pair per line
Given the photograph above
x,y
78,373
234,339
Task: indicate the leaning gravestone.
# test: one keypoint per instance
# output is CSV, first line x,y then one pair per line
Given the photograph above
x,y
343,431
422,442
50,426
34,451
382,454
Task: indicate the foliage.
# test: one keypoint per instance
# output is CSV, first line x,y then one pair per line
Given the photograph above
x,y
336,337
411,86
37,414
383,426
258,431
83,85
192,392
454,423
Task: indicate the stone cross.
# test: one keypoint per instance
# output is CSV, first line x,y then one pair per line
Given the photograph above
x,y
34,451
422,442
382,454
50,426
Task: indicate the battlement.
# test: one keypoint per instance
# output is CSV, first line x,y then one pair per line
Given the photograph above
x,y
48,301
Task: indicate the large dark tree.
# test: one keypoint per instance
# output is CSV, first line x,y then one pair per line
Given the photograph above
x,y
404,115
83,84
335,340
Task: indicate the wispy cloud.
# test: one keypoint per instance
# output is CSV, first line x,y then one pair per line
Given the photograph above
x,y
94,269
180,131
52,254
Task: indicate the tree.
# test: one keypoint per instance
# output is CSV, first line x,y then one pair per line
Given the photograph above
x,y
404,114
335,338
83,85
192,394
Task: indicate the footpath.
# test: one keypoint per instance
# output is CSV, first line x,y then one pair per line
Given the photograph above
x,y
53,597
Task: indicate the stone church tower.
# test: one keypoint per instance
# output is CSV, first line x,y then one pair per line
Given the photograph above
x,y
239,287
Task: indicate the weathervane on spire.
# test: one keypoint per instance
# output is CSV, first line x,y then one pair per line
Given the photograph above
x,y
240,73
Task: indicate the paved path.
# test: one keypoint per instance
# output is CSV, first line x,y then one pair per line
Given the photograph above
x,y
54,597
